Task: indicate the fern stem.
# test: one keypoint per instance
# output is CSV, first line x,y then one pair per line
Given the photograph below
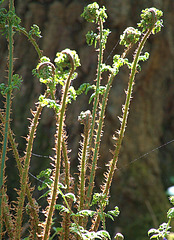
x,y
87,122
67,164
97,140
58,154
7,216
32,40
8,103
96,100
112,165
71,212
66,216
99,131
83,171
65,153
24,177
125,112
17,157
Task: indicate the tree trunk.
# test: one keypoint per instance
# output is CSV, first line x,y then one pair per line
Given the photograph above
x,y
140,182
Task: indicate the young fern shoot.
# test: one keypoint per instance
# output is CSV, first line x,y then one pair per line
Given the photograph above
x,y
150,23
54,191
8,107
85,119
78,201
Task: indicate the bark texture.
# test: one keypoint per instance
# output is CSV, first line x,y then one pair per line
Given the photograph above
x,y
138,187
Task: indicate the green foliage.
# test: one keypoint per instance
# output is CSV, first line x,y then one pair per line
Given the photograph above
x,y
130,36
61,208
3,18
71,196
172,200
101,199
101,91
87,235
91,38
170,213
164,229
46,184
105,35
6,18
63,63
151,20
159,233
85,87
113,213
86,213
78,202
47,180
144,57
35,31
49,103
119,236
15,84
93,12
63,66
44,70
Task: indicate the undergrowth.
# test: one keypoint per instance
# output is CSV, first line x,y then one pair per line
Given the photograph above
x,y
82,211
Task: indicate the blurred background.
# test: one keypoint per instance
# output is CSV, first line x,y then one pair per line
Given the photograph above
x,y
146,164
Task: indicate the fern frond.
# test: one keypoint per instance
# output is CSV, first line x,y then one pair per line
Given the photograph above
x,y
53,195
85,118
7,217
123,120
24,175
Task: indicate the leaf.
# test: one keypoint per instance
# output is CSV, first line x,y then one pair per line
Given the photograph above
x,y
89,87
45,173
92,96
57,229
72,196
170,213
45,194
163,226
144,57
75,229
82,88
155,236
105,67
35,31
114,212
87,213
102,90
61,208
91,38
109,216
152,230
103,233
61,185
119,236
171,199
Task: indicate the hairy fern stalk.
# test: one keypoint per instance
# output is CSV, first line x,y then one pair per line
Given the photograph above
x,y
80,209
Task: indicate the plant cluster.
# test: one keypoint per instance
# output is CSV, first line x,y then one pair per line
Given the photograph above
x,y
81,209
164,229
